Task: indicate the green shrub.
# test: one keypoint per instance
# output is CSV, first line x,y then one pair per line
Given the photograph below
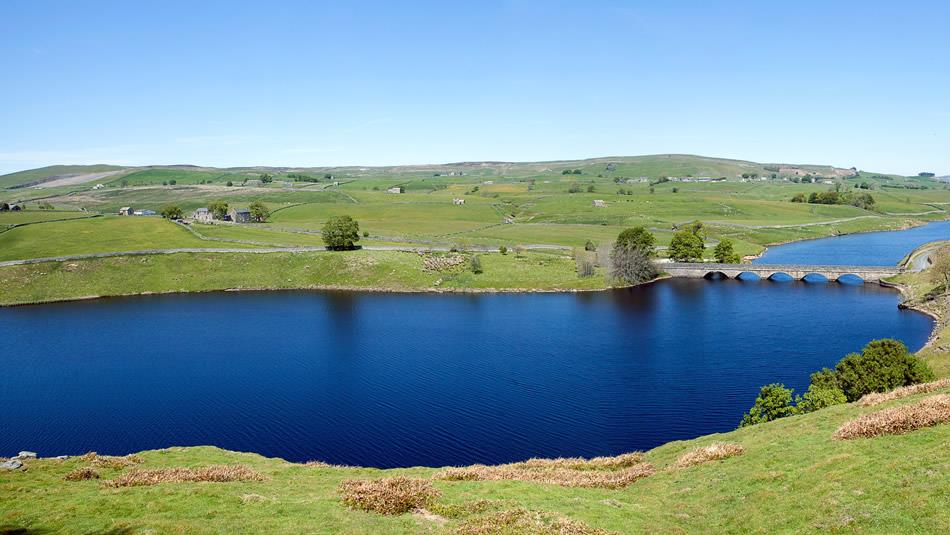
x,y
503,250
773,402
881,366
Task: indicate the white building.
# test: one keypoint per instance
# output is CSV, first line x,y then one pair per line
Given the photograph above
x,y
600,203
203,215
395,189
458,202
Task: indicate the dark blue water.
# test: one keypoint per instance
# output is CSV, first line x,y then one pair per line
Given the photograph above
x,y
395,380
864,249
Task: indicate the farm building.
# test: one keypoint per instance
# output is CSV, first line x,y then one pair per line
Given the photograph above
x,y
458,202
126,210
395,189
144,212
202,215
240,215
4,207
600,203
98,186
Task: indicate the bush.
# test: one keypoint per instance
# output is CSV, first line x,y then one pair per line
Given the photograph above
x,y
388,496
585,268
172,212
82,474
590,246
366,234
881,366
230,183
476,264
773,402
636,238
819,397
341,233
574,188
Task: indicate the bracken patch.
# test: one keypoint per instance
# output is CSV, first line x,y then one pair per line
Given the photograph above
x,y
712,452
515,521
898,420
81,474
869,400
215,474
388,496
110,461
599,472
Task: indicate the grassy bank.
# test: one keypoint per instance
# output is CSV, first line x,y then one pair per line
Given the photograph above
x,y
371,270
793,477
919,292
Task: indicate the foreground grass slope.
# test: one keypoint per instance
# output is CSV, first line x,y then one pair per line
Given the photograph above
x,y
793,477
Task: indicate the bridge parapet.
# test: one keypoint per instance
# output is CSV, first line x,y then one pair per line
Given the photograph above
x,y
797,271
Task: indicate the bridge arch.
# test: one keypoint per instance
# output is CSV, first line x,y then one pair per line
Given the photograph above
x,y
817,277
779,276
749,276
716,275
848,278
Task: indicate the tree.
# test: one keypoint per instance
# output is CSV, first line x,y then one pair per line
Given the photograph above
x,y
574,188
590,188
881,366
638,238
800,197
218,209
686,246
590,246
172,182
503,250
476,264
940,269
230,183
724,252
259,212
341,233
632,256
266,178
773,402
172,212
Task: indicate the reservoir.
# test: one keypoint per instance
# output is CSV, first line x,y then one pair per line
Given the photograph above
x,y
422,379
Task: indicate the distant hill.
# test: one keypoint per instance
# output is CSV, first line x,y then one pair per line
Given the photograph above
x,y
652,166
33,177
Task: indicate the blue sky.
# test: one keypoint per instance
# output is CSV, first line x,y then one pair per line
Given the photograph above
x,y
339,83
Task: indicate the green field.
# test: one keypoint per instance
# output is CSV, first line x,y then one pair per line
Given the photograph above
x,y
792,478
99,235
506,204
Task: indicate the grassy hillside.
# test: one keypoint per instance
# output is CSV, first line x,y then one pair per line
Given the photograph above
x,y
32,175
384,270
792,478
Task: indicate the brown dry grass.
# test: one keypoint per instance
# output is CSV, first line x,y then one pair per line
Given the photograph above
x,y
389,495
712,452
216,474
81,474
110,461
524,521
599,472
898,420
869,400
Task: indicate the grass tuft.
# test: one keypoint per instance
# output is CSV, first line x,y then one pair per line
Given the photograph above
x,y
388,496
712,452
215,474
876,398
464,509
525,521
898,420
599,472
82,474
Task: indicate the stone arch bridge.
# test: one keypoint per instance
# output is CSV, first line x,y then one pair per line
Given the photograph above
x,y
767,271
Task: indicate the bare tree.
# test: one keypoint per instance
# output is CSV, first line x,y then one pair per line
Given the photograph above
x,y
940,269
632,265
